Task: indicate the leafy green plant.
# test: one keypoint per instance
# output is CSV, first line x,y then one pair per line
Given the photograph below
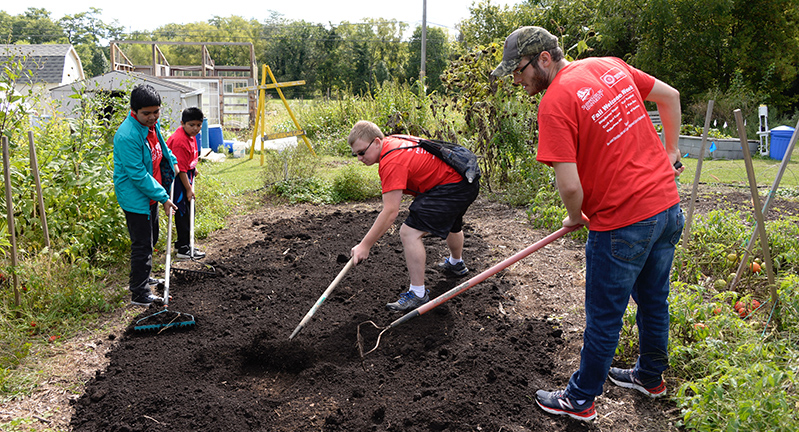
x,y
14,106
692,130
289,165
310,189
732,373
350,184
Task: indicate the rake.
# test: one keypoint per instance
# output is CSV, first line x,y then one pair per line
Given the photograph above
x,y
205,270
421,310
322,298
165,318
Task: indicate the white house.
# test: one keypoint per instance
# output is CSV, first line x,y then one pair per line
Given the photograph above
x,y
44,66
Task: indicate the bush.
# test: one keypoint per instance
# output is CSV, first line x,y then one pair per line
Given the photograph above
x,y
350,184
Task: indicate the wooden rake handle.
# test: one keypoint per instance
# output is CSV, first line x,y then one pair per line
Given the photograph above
x,y
322,298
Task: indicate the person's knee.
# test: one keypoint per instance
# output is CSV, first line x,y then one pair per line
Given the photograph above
x,y
410,234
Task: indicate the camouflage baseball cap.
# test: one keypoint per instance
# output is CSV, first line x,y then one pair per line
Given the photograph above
x,y
524,41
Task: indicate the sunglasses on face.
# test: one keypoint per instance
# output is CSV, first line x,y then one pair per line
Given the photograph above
x,y
363,152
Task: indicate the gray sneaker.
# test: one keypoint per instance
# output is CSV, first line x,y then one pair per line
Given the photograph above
x,y
146,300
408,301
185,253
627,378
458,269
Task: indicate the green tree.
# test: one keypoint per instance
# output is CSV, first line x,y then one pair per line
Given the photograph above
x,y
89,35
35,27
6,26
371,52
488,23
329,76
703,45
764,42
294,53
436,55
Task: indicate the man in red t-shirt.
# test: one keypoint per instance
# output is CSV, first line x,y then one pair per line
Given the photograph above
x,y
442,197
613,172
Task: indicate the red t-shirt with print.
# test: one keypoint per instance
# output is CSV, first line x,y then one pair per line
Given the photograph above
x,y
155,152
593,114
413,170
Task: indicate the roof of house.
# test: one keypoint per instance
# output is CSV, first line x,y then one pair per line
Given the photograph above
x,y
118,80
45,62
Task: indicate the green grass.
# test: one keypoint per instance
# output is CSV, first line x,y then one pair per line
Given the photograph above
x,y
235,175
733,172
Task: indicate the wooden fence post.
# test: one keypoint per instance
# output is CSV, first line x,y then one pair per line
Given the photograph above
x,y
687,228
750,172
10,221
37,180
783,166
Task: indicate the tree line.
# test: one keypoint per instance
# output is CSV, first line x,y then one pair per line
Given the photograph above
x,y
741,53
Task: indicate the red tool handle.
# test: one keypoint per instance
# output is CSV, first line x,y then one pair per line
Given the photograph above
x,y
421,310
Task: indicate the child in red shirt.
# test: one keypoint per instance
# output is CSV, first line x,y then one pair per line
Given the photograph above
x,y
183,144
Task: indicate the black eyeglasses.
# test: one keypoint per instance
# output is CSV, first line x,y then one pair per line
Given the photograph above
x,y
363,152
518,72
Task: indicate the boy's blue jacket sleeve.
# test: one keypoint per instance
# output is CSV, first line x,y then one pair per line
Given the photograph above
x,y
134,183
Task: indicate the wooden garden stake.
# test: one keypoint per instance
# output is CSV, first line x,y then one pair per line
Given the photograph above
x,y
10,221
783,166
705,131
750,172
37,180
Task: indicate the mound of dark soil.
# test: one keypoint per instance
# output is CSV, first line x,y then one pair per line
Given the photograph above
x,y
463,366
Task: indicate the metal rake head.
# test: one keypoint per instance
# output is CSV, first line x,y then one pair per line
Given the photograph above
x,y
163,320
360,339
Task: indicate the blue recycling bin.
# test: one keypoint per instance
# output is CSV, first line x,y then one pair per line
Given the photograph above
x,y
215,138
780,137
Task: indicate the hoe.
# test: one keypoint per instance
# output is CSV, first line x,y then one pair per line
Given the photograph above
x,y
421,310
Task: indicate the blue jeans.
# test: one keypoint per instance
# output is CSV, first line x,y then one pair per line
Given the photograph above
x,y
631,261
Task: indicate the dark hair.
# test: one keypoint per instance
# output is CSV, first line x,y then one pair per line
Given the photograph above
x,y
192,113
144,96
556,53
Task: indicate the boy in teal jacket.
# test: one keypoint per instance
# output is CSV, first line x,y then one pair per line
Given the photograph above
x,y
144,169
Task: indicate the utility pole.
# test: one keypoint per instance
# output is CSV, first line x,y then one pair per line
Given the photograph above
x,y
422,68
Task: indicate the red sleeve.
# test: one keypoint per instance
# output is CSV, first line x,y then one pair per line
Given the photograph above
x,y
643,80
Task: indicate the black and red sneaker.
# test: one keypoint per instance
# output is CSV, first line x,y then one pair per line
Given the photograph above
x,y
558,403
627,378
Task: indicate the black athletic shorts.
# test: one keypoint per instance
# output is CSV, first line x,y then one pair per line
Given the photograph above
x,y
440,210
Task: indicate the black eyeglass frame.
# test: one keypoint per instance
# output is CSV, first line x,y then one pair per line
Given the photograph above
x,y
535,58
363,152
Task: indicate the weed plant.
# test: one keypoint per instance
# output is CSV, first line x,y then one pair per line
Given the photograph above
x,y
351,184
